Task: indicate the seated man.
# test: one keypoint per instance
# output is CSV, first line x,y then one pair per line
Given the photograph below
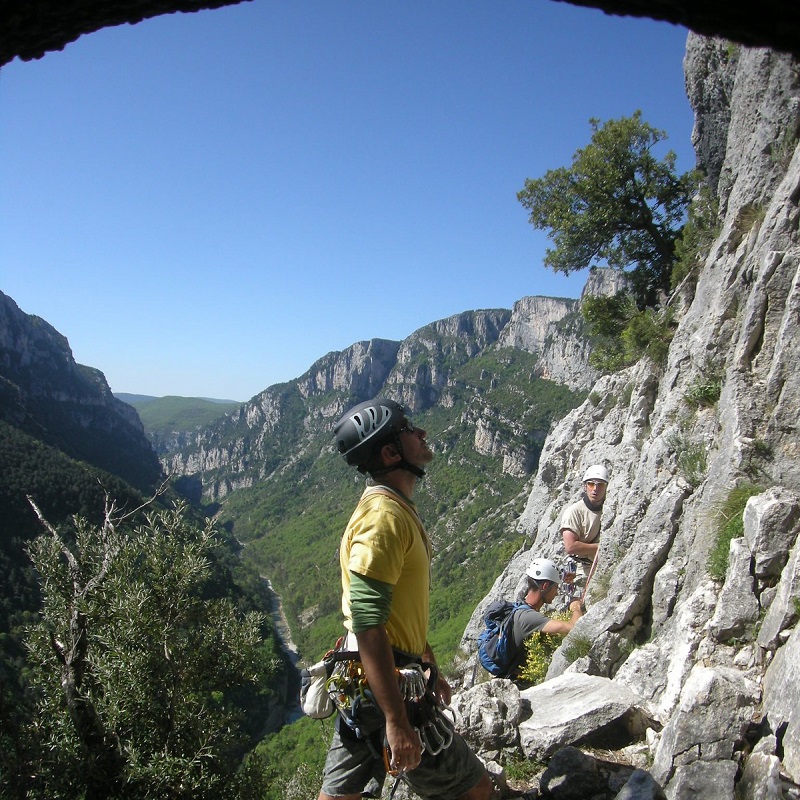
x,y
542,580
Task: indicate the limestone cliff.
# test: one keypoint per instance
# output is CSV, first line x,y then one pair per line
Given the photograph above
x,y
711,666
44,393
291,419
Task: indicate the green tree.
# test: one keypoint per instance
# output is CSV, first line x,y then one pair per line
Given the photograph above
x,y
616,204
137,667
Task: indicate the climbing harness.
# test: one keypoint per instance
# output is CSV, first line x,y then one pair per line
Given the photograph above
x,y
428,715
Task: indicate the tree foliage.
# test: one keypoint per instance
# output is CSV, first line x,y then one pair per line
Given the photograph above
x,y
139,669
617,203
622,334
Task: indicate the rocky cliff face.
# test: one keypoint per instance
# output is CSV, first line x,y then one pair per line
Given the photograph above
x,y
67,405
704,673
246,447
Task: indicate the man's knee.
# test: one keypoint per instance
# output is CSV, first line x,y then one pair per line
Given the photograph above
x,y
482,790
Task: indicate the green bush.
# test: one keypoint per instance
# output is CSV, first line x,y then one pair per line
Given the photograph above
x,y
691,457
577,647
694,244
703,392
730,526
523,770
693,462
539,649
621,334
649,333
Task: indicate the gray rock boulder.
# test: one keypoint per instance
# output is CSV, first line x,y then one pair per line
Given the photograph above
x,y
737,609
783,611
782,702
717,705
641,786
771,526
571,708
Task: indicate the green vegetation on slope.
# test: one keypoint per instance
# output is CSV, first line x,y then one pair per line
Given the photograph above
x,y
166,415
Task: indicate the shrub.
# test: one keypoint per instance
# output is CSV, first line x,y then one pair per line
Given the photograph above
x,y
730,526
622,334
539,650
523,770
691,457
694,244
703,392
693,462
577,647
649,333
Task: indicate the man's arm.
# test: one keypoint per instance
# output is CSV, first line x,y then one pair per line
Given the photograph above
x,y
563,627
575,547
376,656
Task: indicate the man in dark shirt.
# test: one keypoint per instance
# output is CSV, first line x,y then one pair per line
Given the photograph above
x,y
542,581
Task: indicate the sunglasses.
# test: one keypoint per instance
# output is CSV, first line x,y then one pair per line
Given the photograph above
x,y
407,426
594,484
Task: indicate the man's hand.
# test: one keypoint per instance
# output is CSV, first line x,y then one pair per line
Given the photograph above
x,y
443,690
405,746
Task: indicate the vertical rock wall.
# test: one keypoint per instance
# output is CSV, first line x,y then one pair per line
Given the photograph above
x,y
713,663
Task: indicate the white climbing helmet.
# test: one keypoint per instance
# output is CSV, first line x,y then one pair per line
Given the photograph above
x,y
543,569
597,472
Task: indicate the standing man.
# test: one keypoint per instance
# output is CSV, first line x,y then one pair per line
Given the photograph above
x,y
385,559
580,522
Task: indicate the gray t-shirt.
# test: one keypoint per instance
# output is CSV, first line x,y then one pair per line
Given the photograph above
x,y
526,621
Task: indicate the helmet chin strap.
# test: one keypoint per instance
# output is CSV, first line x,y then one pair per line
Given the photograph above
x,y
402,463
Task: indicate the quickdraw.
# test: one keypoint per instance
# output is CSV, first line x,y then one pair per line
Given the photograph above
x,y
349,690
425,711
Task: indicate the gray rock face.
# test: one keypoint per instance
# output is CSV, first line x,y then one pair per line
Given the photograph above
x,y
553,329
782,702
570,708
714,665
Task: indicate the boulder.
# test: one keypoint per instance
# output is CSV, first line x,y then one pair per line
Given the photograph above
x,y
771,525
641,786
716,707
488,716
783,611
573,708
737,609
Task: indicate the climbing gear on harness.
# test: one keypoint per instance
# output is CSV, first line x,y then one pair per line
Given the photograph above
x,y
349,691
569,589
315,700
426,712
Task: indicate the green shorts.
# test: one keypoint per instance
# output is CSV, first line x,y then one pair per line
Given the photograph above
x,y
355,765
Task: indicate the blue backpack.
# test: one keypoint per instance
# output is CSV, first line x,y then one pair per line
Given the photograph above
x,y
496,649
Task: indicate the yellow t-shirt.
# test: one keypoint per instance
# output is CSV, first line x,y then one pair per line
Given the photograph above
x,y
385,540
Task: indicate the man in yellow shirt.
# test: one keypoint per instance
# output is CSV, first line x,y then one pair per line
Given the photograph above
x,y
385,559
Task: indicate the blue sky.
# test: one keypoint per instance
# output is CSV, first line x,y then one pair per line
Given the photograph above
x,y
204,204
